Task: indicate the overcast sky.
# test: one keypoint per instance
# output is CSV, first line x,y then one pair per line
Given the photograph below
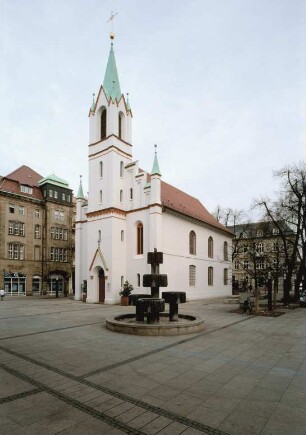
x,y
219,85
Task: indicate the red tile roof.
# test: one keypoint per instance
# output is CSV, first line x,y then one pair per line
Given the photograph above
x,y
25,176
181,202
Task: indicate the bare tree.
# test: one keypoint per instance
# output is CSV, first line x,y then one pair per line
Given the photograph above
x,y
290,208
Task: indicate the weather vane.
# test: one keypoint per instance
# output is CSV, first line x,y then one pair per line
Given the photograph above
x,y
111,19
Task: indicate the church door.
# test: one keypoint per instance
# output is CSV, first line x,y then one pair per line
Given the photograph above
x,y
101,285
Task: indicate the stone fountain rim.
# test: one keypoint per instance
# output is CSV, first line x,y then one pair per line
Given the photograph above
x,y
195,324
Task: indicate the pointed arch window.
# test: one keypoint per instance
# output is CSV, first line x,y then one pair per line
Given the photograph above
x,y
192,275
120,125
103,123
192,243
225,251
139,238
210,247
210,276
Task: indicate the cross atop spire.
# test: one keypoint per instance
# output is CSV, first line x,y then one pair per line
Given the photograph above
x,y
111,20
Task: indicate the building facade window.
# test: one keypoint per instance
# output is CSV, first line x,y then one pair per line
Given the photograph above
x,y
50,193
139,239
59,215
21,210
261,265
210,276
26,189
259,233
121,195
36,285
103,123
192,275
275,247
121,169
16,228
275,231
101,196
138,279
210,247
246,264
225,276
15,284
192,243
225,251
259,248
101,169
122,236
64,196
37,213
59,254
37,232
131,193
237,265
11,208
55,194
15,251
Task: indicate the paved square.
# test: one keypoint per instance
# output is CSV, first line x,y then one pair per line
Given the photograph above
x,y
63,372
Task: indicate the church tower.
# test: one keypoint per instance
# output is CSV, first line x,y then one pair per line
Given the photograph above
x,y
109,152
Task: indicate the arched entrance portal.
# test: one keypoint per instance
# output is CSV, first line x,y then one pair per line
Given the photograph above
x,y
101,285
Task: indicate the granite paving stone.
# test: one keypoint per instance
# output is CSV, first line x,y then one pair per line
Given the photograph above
x,y
61,371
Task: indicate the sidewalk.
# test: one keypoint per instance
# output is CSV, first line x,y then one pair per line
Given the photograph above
x,y
62,372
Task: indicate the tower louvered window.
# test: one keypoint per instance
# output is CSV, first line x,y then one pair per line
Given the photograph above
x,y
103,124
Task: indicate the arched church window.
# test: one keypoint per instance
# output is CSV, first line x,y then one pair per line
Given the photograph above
x,y
225,251
101,169
192,275
120,125
210,276
103,123
210,247
192,243
121,169
139,239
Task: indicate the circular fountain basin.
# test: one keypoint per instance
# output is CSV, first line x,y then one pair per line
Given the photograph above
x,y
127,324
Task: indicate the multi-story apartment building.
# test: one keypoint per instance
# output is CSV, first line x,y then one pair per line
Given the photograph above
x,y
36,234
258,254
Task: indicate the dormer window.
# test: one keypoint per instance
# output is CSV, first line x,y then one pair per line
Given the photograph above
x,y
26,189
259,233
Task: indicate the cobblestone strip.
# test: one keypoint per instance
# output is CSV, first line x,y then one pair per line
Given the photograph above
x,y
51,312
60,384
19,395
75,403
152,352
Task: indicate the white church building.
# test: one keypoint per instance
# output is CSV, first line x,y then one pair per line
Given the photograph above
x,y
129,212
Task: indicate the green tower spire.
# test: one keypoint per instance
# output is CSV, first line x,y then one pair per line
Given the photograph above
x,y
155,169
111,83
80,194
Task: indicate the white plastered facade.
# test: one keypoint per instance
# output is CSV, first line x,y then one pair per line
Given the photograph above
x,y
119,198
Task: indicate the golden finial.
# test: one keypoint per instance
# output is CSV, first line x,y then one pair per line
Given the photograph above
x,y
112,35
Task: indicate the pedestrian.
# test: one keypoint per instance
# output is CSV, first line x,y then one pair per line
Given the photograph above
x,y
2,294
